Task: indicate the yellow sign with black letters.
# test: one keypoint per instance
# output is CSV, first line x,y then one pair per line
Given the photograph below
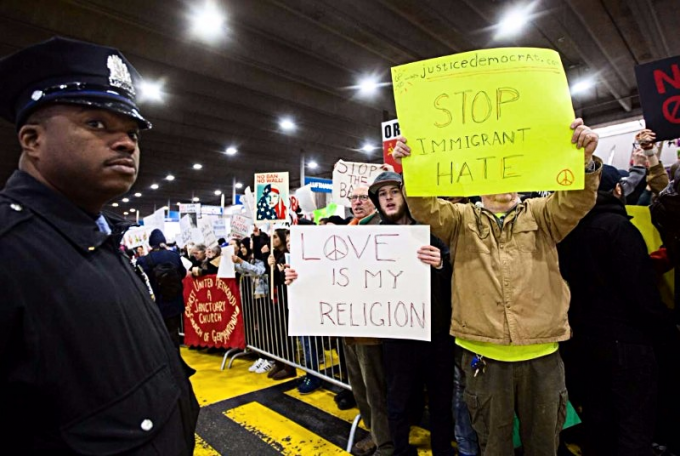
x,y
487,121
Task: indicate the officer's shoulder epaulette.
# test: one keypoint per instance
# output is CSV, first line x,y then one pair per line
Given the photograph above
x,y
12,214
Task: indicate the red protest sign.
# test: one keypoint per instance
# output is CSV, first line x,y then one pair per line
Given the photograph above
x,y
212,315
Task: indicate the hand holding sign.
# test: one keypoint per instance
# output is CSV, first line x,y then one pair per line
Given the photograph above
x,y
584,138
401,150
431,255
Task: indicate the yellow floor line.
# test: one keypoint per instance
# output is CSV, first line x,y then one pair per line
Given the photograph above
x,y
203,449
323,400
283,434
213,385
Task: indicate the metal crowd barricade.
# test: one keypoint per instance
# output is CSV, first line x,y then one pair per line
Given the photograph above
x,y
266,331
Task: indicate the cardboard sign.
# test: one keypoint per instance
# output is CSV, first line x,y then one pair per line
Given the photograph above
x,y
207,233
390,131
241,226
347,175
360,281
659,88
271,194
185,227
487,121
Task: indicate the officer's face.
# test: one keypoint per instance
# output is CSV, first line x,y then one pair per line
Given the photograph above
x,y
89,155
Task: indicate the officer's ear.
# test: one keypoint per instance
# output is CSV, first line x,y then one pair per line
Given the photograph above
x,y
31,138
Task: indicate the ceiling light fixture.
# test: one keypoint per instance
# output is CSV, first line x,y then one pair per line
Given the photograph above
x,y
218,192
114,204
513,21
198,166
287,124
368,86
368,148
170,177
137,195
126,200
132,209
239,185
231,151
151,91
154,186
582,86
207,21
195,199
312,165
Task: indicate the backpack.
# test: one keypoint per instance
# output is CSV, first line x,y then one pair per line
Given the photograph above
x,y
665,211
167,278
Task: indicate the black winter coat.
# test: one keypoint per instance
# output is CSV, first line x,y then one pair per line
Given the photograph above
x,y
86,362
613,286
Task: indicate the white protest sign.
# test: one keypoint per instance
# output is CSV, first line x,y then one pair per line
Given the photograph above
x,y
155,220
185,230
226,269
220,228
347,175
249,200
197,236
360,281
206,226
241,226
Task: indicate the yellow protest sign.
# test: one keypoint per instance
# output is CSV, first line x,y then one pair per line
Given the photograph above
x,y
487,121
642,219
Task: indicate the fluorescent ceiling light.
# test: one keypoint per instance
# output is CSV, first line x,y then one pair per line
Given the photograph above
x,y
513,21
287,124
582,86
151,91
207,21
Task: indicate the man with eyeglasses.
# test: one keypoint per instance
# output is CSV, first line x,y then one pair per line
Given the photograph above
x,y
362,208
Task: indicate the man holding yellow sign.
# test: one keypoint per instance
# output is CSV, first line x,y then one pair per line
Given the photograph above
x,y
480,123
509,300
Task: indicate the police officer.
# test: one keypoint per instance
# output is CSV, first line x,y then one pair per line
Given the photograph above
x,y
86,364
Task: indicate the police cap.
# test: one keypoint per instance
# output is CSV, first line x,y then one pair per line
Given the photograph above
x,y
62,70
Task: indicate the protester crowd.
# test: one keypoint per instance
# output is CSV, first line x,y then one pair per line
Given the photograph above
x,y
537,301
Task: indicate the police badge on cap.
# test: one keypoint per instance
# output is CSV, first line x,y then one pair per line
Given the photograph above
x,y
68,71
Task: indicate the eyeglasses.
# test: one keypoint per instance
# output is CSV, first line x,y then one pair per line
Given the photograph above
x,y
358,198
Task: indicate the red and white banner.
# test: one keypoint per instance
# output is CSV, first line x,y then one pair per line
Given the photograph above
x,y
213,316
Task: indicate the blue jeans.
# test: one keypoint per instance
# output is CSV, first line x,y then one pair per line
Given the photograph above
x,y
466,437
311,352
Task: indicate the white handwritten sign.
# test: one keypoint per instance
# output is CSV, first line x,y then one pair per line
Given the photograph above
x,y
347,175
207,232
363,281
241,226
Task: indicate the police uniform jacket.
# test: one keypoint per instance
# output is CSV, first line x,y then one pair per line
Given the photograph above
x,y
86,363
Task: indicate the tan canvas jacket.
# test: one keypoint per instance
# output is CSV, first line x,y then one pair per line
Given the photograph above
x,y
506,285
